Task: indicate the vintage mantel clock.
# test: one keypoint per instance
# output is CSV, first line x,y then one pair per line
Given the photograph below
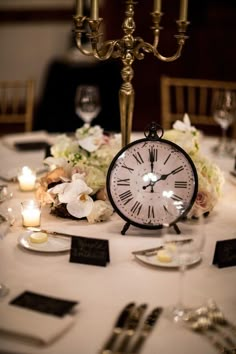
x,y
152,182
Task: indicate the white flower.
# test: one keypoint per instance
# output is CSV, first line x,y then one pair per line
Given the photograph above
x,y
184,125
76,195
184,135
101,212
89,138
210,177
64,146
83,161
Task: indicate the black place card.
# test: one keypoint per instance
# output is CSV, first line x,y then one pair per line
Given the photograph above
x,y
31,145
41,303
91,251
225,253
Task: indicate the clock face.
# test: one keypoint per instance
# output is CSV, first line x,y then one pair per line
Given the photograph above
x,y
151,183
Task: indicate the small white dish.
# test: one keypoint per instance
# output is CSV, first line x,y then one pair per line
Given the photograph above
x,y
53,244
153,261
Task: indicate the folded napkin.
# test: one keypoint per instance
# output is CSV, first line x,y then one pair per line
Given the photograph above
x,y
36,327
32,325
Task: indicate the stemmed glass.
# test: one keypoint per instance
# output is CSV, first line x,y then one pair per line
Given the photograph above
x,y
7,219
224,111
184,250
87,102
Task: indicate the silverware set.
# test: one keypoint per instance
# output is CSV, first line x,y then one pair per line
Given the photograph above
x,y
210,322
131,329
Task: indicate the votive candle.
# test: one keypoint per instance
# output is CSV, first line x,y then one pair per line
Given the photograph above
x,y
31,213
27,179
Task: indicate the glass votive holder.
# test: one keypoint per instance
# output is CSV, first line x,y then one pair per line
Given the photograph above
x,y
31,213
26,179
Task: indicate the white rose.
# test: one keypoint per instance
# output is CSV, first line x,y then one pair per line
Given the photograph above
x,y
101,212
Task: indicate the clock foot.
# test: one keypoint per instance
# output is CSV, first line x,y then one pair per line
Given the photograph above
x,y
177,230
125,228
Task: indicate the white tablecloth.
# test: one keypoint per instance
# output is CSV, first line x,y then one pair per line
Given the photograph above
x,y
103,291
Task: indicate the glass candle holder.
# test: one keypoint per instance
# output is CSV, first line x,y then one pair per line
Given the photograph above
x,y
31,213
26,179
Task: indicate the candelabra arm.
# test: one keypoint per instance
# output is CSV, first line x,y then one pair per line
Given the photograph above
x,y
79,31
106,50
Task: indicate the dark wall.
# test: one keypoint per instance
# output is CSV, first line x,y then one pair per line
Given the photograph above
x,y
210,51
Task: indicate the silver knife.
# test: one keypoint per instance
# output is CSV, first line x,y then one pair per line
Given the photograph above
x,y
131,327
118,328
148,250
154,249
145,330
53,233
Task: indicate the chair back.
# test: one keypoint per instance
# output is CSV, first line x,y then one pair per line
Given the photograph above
x,y
17,103
192,96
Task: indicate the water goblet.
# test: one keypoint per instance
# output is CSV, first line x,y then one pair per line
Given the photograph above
x,y
224,113
184,250
7,219
87,102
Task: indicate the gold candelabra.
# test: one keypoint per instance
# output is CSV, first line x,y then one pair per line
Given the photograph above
x,y
128,48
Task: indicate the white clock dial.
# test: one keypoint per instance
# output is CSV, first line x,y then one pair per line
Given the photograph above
x,y
152,183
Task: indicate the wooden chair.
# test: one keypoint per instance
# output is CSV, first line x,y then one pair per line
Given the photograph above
x,y
17,103
192,96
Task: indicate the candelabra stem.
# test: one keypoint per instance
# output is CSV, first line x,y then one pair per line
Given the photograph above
x,y
126,99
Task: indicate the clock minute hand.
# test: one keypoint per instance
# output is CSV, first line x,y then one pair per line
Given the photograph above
x,y
151,157
163,177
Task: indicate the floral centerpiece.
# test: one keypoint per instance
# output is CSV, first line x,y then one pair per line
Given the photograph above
x,y
210,177
75,186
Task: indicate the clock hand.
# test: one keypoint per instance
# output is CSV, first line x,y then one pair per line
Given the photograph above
x,y
151,156
162,178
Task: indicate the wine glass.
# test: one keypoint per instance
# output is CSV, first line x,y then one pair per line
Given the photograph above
x,y
7,219
184,250
224,114
87,102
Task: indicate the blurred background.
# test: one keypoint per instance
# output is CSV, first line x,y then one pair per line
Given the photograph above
x,y
36,41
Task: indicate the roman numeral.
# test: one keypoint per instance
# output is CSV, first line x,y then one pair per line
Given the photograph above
x,y
176,197
138,157
178,169
123,182
127,168
152,155
180,184
151,213
126,197
167,159
136,208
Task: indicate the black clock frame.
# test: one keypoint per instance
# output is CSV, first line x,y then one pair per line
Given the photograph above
x,y
151,135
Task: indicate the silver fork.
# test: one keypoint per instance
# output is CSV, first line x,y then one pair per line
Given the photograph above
x,y
199,321
218,317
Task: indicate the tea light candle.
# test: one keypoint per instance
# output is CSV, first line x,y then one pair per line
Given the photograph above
x,y
31,213
27,179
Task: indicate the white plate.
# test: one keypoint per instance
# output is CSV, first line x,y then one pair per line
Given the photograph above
x,y
53,244
152,260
